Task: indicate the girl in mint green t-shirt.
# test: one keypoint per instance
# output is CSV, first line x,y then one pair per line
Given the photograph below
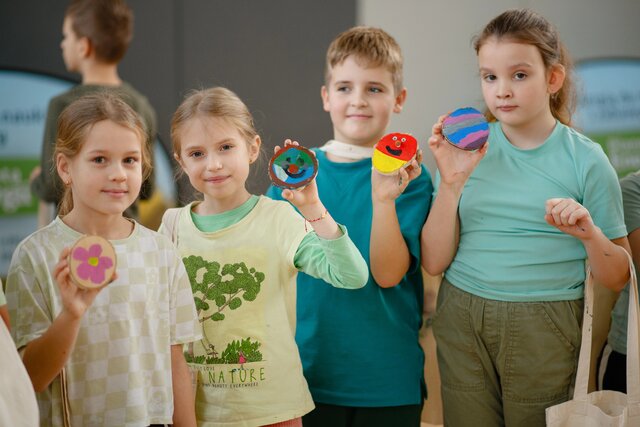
x,y
510,226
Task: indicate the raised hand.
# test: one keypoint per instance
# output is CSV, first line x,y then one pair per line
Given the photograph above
x,y
303,197
75,300
387,188
455,165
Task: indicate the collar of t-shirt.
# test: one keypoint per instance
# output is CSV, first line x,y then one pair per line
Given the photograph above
x,y
215,222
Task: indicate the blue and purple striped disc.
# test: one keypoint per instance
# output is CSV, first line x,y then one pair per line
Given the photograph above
x,y
466,128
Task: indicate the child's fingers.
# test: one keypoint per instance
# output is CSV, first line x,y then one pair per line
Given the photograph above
x,y
577,215
558,204
556,210
62,279
415,163
288,142
434,141
404,174
437,127
483,150
550,203
403,179
565,211
549,219
59,270
64,254
287,194
479,153
416,171
62,261
276,149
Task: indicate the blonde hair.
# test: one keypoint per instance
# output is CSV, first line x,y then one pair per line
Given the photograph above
x,y
217,102
373,46
76,121
528,27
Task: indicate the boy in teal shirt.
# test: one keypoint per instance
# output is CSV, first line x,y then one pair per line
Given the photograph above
x,y
360,349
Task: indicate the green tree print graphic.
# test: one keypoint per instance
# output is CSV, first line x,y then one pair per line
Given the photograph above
x,y
231,354
250,350
226,287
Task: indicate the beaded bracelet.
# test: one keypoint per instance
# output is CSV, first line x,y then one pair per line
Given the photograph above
x,y
320,218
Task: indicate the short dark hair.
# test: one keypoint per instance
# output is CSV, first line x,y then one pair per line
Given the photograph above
x,y
108,24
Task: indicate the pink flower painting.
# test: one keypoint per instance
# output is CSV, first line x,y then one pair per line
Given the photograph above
x,y
93,266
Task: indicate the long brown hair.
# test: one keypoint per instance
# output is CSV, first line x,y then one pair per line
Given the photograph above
x,y
78,118
528,27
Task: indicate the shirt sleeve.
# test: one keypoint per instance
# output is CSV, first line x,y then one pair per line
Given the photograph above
x,y
336,261
185,325
30,308
169,224
602,195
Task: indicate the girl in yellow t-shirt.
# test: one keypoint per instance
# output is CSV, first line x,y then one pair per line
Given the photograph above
x,y
242,253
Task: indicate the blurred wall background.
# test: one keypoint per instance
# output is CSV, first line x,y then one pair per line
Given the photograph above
x,y
272,52
440,63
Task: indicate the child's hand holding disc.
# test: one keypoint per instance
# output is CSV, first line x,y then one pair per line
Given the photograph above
x,y
466,128
92,262
393,152
293,167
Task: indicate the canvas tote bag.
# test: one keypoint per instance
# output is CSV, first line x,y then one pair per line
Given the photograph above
x,y
603,408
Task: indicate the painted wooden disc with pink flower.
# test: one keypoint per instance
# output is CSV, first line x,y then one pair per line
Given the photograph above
x,y
92,262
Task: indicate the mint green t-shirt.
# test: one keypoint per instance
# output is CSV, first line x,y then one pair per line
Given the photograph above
x,y
507,251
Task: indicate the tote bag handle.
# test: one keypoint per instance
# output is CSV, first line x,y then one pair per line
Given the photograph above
x,y
633,340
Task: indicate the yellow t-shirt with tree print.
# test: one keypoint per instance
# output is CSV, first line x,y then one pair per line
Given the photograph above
x,y
244,281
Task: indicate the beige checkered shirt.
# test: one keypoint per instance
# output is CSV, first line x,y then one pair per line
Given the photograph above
x,y
119,373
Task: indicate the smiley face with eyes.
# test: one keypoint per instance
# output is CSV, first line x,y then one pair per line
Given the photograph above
x,y
394,151
293,167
